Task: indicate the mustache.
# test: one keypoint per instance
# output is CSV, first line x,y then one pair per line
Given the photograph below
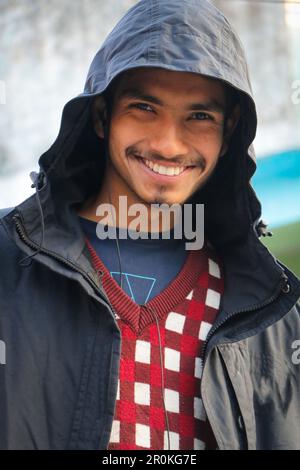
x,y
198,161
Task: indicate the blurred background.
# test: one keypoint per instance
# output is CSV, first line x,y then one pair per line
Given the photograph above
x,y
46,49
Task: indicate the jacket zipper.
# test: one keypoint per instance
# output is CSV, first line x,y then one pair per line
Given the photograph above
x,y
22,234
283,286
24,237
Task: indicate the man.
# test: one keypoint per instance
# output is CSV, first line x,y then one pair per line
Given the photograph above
x,y
141,344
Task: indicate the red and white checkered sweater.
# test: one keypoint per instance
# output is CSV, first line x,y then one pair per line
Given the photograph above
x,y
185,310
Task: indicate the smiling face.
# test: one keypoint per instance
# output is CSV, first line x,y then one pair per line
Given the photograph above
x,y
166,134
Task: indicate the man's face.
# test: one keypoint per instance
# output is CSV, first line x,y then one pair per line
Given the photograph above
x,y
166,134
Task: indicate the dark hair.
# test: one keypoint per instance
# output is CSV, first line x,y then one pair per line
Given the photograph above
x,y
109,93
232,98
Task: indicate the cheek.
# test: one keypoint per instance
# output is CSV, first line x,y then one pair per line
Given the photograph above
x,y
122,136
118,142
209,136
208,144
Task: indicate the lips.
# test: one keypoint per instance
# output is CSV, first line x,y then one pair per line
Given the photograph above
x,y
163,170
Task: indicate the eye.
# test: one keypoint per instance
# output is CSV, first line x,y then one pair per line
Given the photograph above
x,y
201,117
142,106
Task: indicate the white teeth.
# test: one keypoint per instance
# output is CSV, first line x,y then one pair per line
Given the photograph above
x,y
169,171
164,170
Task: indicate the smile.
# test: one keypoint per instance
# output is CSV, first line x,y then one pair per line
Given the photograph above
x,y
163,170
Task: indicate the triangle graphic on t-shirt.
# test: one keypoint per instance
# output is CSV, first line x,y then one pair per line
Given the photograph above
x,y
135,285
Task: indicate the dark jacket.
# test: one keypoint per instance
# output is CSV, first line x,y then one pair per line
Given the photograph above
x,y
58,385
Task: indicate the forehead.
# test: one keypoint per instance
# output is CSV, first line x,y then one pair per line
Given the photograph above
x,y
171,82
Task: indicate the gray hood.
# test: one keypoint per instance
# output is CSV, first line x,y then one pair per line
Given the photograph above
x,y
181,35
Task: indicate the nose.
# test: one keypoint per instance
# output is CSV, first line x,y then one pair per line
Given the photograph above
x,y
168,140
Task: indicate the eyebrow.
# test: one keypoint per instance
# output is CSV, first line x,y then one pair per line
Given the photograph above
x,y
135,93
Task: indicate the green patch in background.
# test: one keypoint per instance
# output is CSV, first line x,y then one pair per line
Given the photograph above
x,y
285,245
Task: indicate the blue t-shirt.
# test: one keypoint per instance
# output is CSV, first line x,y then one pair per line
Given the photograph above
x,y
148,265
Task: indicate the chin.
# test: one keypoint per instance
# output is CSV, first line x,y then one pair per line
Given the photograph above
x,y
167,200
162,197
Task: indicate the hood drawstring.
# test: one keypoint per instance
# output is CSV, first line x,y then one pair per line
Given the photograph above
x,y
162,373
106,156
38,182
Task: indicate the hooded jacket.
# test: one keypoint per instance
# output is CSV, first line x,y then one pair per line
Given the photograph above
x,y
58,382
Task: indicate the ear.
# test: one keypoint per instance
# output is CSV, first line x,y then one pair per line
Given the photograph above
x,y
99,115
231,124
